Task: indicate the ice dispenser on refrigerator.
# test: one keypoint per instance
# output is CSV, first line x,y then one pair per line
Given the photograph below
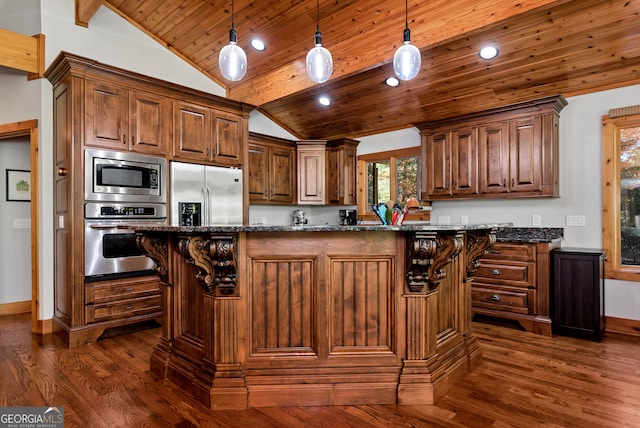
x,y
204,195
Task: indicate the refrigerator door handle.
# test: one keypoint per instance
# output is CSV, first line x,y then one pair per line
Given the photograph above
x,y
209,209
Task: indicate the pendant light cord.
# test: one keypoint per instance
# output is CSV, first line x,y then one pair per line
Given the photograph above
x,y
233,24
318,16
406,13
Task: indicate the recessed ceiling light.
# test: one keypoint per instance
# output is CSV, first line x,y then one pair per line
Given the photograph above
x,y
325,101
258,44
488,52
392,81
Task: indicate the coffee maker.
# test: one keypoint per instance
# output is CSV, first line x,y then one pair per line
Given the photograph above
x,y
348,217
299,217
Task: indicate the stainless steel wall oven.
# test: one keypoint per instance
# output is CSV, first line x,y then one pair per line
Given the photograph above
x,y
111,252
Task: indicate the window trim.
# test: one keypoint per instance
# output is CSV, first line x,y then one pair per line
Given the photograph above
x,y
611,228
391,156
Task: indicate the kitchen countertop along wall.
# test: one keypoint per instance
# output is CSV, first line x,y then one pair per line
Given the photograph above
x,y
530,234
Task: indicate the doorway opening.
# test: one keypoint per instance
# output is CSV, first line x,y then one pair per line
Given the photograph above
x,y
29,128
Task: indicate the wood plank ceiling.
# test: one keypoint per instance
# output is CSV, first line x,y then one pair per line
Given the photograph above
x,y
547,47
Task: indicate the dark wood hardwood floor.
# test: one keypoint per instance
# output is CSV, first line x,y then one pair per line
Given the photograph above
x,y
524,380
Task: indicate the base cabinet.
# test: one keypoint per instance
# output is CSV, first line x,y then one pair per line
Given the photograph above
x,y
578,292
513,282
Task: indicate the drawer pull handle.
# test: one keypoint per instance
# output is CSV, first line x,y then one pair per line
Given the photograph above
x,y
129,307
496,272
495,298
128,290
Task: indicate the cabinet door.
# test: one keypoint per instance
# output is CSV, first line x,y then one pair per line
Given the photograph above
x,y
525,154
464,164
258,173
149,123
227,139
333,176
349,188
192,131
493,159
281,174
106,116
439,164
311,176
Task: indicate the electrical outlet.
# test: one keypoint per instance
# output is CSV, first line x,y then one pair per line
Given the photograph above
x,y
575,220
536,220
444,219
464,219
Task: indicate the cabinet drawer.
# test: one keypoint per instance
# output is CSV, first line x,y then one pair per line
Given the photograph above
x,y
512,252
502,300
516,274
124,309
112,291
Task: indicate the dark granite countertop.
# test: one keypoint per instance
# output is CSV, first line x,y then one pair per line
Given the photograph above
x,y
530,234
417,227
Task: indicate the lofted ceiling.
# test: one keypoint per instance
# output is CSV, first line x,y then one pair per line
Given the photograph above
x,y
547,47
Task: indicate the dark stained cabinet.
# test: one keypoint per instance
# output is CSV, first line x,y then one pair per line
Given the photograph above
x,y
513,282
578,292
202,134
271,170
341,172
122,119
96,105
504,153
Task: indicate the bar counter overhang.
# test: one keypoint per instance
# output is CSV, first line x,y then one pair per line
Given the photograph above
x,y
258,316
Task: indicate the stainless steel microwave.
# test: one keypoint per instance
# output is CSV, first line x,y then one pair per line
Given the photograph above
x,y
124,177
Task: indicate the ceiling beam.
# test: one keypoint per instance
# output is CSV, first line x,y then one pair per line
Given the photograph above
x,y
85,9
22,52
429,24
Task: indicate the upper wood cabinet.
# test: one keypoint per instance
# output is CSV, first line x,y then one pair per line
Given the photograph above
x,y
327,172
122,119
454,162
341,165
311,172
509,152
205,135
271,170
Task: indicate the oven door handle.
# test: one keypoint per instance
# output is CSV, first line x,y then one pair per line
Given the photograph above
x,y
104,226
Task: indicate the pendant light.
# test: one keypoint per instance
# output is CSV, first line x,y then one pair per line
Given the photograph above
x,y
232,60
319,61
406,61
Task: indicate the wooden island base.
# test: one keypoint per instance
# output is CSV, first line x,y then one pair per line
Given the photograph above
x,y
309,317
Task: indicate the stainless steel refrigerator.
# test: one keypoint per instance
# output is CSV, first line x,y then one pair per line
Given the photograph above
x,y
205,195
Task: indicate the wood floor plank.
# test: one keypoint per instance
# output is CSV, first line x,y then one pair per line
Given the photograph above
x,y
524,380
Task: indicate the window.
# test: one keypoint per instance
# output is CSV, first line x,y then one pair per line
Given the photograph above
x,y
621,193
394,175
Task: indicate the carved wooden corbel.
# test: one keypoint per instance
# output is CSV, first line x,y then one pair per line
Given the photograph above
x,y
215,257
155,247
478,244
427,254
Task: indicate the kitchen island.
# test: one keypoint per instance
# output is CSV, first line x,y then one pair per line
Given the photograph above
x,y
259,316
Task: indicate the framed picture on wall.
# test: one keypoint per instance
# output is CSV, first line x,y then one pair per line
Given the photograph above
x,y
18,185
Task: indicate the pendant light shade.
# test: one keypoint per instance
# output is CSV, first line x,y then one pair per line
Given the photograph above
x,y
232,59
407,59
319,61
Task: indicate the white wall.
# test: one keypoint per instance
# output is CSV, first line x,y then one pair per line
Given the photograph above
x,y
15,245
